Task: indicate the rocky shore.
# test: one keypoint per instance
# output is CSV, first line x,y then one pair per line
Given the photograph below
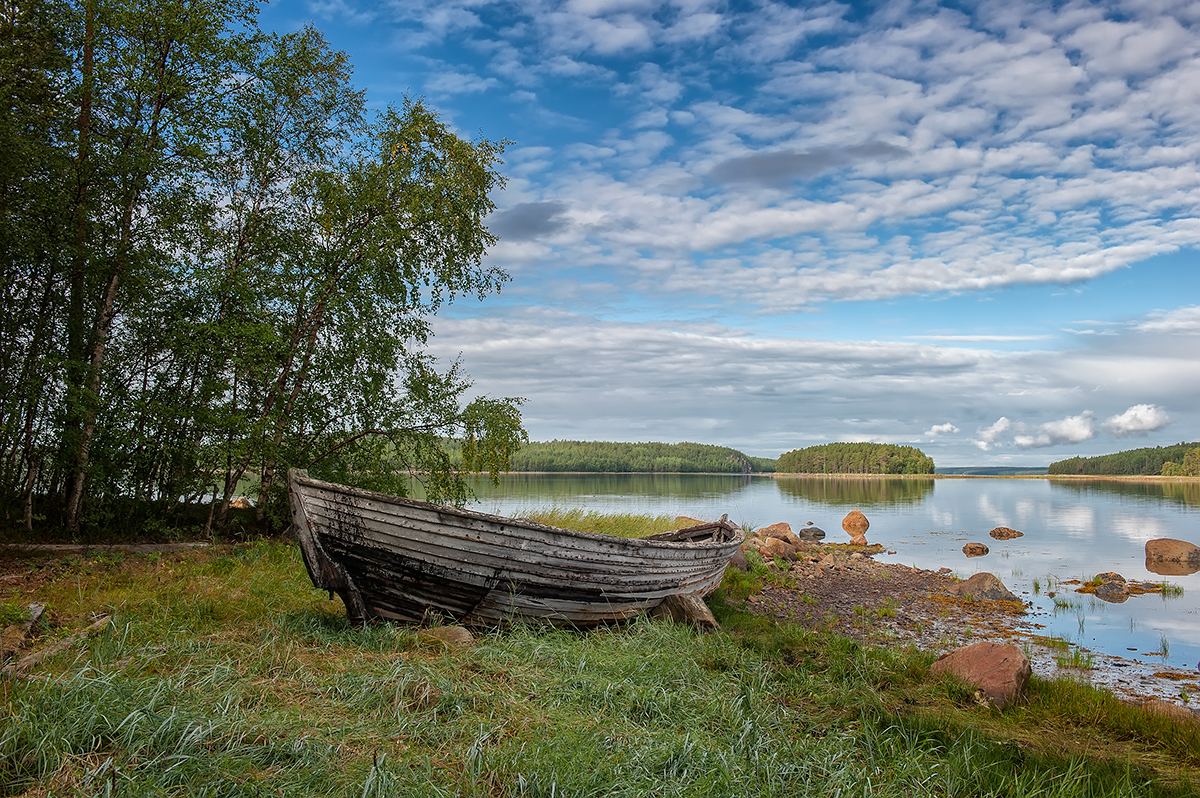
x,y
841,587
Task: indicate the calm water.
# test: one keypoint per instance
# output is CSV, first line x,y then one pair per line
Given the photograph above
x,y
1073,530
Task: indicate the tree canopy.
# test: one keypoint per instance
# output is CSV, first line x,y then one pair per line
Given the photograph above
x,y
217,265
855,458
1133,462
649,457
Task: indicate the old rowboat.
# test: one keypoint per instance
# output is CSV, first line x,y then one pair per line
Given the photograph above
x,y
412,561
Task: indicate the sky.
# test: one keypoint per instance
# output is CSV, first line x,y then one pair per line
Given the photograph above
x,y
972,227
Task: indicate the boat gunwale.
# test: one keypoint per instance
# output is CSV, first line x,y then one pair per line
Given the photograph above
x,y
738,536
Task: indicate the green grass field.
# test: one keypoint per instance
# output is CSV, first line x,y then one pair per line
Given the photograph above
x,y
223,672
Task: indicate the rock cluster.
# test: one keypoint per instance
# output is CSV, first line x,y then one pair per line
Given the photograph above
x,y
1000,672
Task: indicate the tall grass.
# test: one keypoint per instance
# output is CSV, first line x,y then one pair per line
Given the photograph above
x,y
225,673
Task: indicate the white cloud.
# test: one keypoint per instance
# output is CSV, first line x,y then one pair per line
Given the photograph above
x,y
941,429
986,438
1072,429
1137,420
1181,320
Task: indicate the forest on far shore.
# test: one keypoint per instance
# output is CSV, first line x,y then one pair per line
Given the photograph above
x,y
649,457
1180,460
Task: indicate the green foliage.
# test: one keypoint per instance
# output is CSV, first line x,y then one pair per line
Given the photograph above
x,y
1134,462
856,458
215,266
1190,467
649,457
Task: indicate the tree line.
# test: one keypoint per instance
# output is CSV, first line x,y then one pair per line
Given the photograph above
x,y
217,265
611,457
1134,462
855,458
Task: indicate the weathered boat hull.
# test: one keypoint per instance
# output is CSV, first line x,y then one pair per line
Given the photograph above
x,y
413,561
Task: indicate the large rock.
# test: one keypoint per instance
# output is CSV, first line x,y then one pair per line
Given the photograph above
x,y
774,547
781,531
984,587
1170,557
688,608
811,532
975,550
855,523
1005,533
1001,672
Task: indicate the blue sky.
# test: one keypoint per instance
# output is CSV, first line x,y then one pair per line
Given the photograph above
x,y
968,227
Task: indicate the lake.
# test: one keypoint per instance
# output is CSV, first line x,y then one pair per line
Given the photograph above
x,y
1073,529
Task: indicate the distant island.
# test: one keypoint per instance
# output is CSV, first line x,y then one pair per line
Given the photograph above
x,y
1182,459
855,458
649,457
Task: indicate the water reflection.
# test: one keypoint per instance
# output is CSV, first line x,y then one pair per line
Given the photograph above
x,y
856,491
543,487
1167,568
1182,492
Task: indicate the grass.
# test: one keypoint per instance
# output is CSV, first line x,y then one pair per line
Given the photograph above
x,y
224,672
1171,590
1075,658
627,525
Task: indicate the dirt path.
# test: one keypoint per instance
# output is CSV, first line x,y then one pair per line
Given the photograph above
x,y
829,587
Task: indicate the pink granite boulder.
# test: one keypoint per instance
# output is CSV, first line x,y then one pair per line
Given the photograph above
x,y
1000,671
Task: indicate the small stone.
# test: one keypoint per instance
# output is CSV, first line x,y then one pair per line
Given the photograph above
x,y
450,635
1113,592
975,550
1110,576
1005,533
857,556
859,540
855,523
738,561
1001,672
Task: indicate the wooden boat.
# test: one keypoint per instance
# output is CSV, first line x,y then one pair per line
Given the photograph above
x,y
413,561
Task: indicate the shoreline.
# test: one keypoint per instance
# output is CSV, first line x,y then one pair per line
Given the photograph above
x,y
779,475
884,604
